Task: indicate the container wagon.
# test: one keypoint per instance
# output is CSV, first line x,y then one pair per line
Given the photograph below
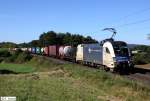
x,y
46,51
61,52
53,50
33,50
29,49
42,50
38,50
70,53
24,49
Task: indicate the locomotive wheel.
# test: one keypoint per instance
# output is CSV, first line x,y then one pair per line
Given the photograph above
x,y
106,68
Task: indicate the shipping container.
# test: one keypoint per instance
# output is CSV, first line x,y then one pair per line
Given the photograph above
x,y
89,53
29,49
33,50
24,49
61,52
42,50
53,50
38,50
46,51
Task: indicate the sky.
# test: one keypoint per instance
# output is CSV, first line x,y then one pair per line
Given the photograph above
x,y
24,20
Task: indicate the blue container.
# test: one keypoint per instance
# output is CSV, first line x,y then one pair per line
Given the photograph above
x,y
33,50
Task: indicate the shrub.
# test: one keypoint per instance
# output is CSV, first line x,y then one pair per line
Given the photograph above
x,y
17,52
141,58
144,56
18,57
23,57
13,56
4,53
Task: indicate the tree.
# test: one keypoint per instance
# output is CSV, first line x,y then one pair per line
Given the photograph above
x,y
77,39
67,40
34,43
48,38
53,38
23,45
59,38
8,45
88,39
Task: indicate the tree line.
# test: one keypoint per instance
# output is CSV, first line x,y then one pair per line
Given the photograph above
x,y
53,38
7,45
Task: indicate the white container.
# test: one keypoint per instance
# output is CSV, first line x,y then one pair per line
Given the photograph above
x,y
61,51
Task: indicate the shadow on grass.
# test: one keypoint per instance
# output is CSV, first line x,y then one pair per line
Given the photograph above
x,y
7,72
133,71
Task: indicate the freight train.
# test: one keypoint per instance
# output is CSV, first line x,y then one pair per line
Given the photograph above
x,y
109,54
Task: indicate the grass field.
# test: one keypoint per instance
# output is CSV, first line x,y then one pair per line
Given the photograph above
x,y
50,81
3,49
17,68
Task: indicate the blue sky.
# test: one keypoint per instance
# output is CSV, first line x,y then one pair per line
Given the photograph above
x,y
25,20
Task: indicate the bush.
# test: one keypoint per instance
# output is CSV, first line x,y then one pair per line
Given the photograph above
x,y
144,56
141,58
13,56
18,57
23,57
4,53
17,52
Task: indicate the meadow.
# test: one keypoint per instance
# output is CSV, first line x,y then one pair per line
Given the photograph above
x,y
41,79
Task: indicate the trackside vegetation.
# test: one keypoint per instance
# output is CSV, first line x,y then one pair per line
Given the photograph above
x,y
17,68
142,57
48,80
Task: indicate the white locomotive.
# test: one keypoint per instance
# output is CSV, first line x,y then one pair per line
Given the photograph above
x,y
113,55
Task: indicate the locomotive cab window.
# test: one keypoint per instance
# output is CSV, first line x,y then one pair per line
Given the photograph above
x,y
107,50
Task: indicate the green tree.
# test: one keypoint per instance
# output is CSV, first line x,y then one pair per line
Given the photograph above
x,y
88,39
53,38
48,38
8,45
34,43
23,45
67,40
77,39
59,38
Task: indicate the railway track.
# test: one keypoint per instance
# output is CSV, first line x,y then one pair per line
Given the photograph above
x,y
140,75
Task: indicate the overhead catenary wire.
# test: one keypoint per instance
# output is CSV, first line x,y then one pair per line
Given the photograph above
x,y
133,14
131,23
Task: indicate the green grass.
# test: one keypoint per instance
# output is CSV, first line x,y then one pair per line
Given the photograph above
x,y
17,68
70,82
3,49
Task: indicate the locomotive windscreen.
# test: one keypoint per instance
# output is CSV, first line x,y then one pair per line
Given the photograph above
x,y
120,48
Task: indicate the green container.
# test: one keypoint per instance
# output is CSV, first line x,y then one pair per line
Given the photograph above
x,y
38,50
